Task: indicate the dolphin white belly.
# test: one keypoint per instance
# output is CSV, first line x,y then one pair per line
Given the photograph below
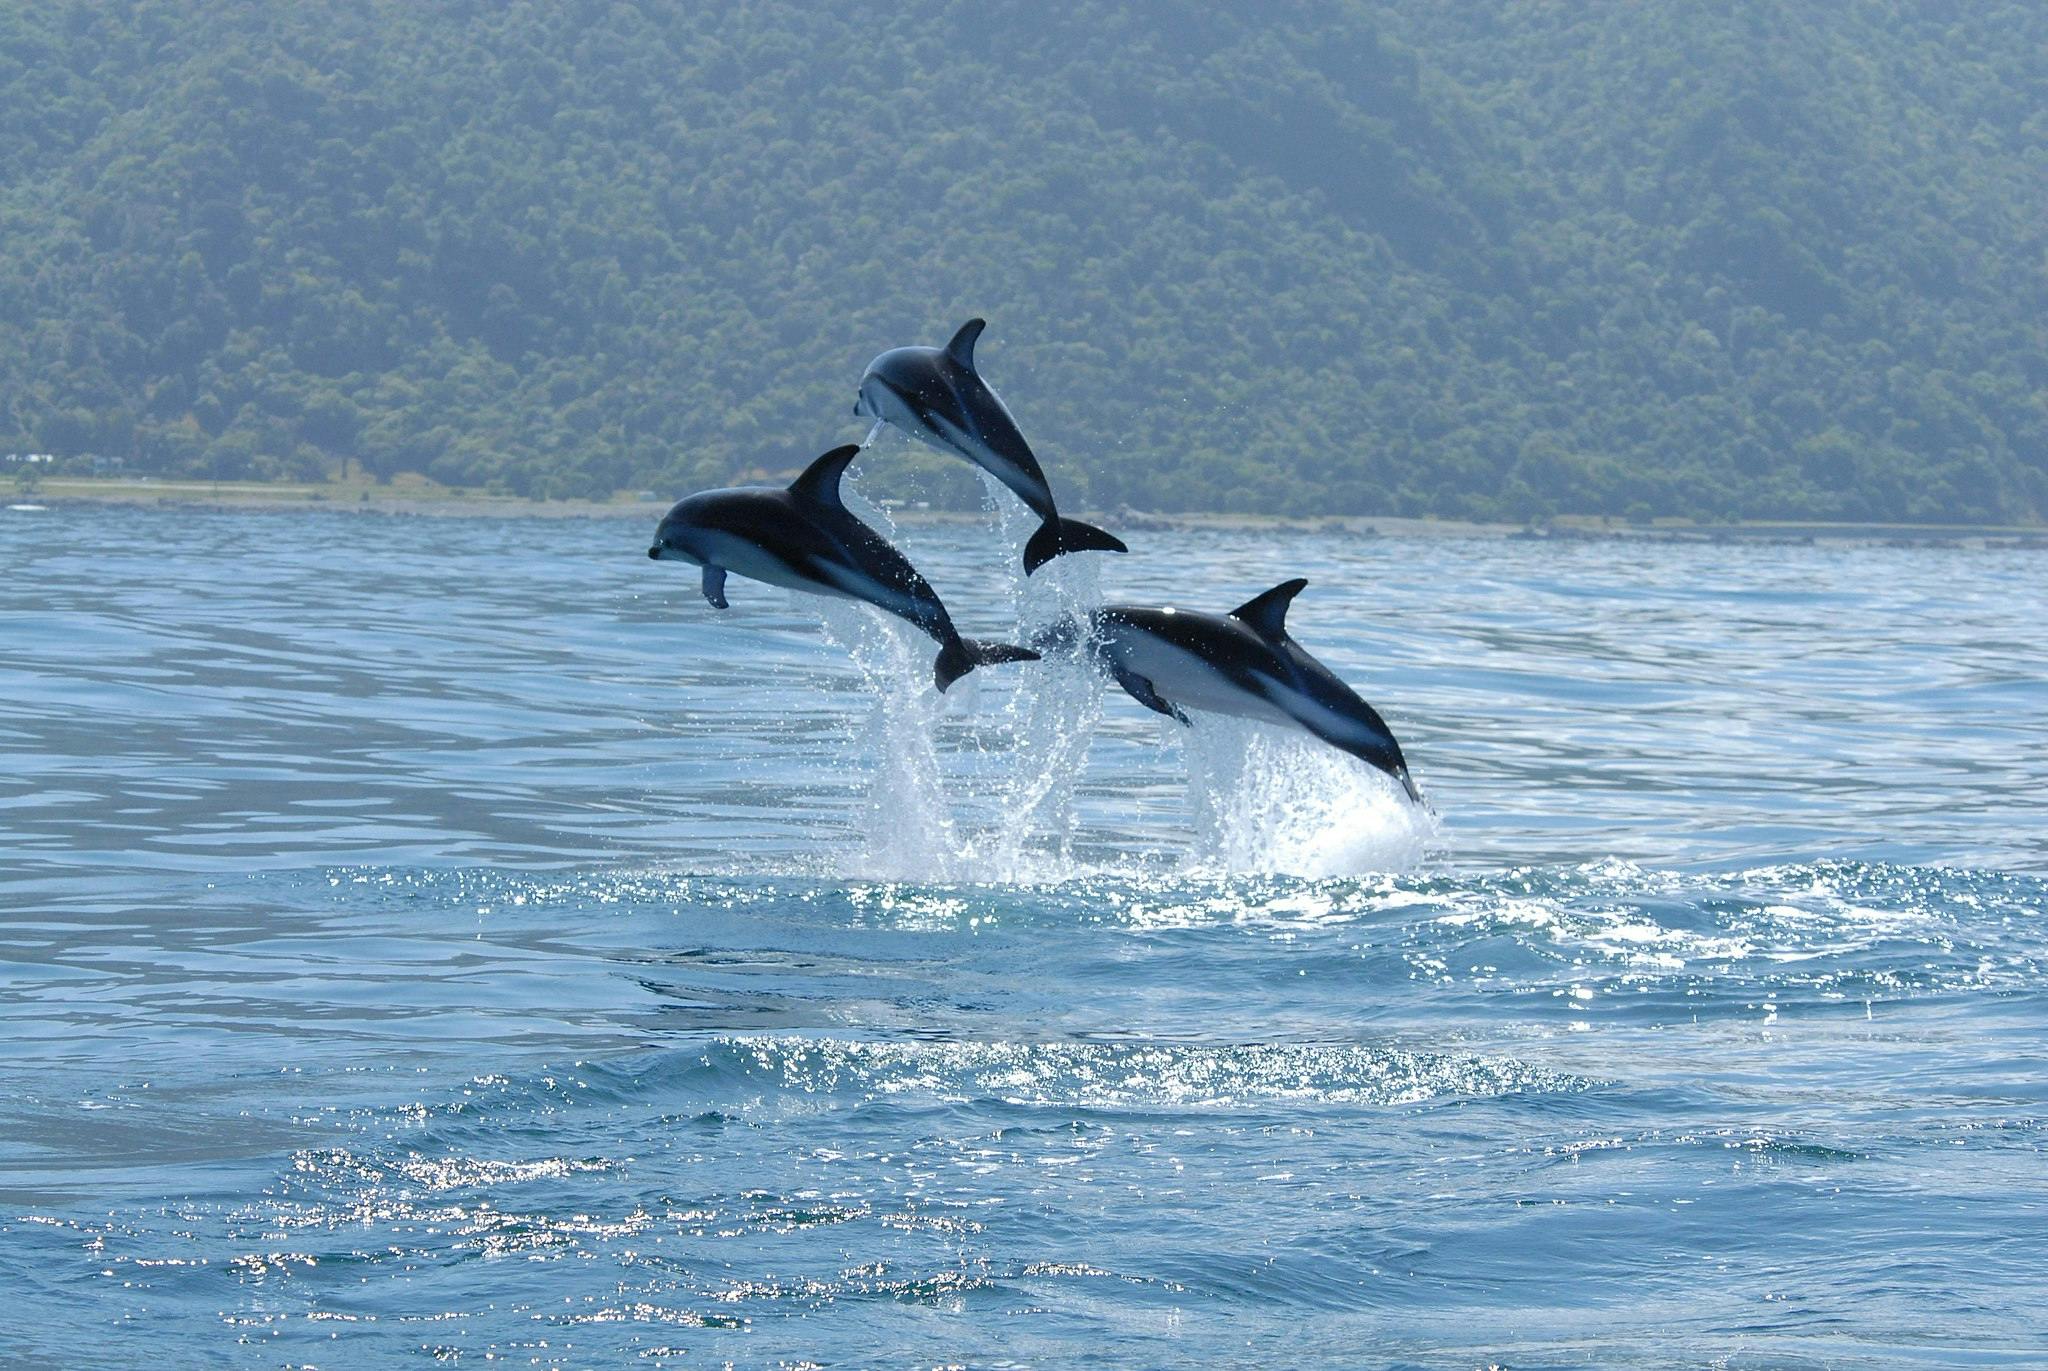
x,y
1184,679
836,579
954,433
937,428
756,563
1243,663
880,402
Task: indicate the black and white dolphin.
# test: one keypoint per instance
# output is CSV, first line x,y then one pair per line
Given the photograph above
x,y
804,538
1243,663
936,395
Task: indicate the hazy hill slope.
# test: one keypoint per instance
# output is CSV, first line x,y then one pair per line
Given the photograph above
x,y
1833,217
1313,256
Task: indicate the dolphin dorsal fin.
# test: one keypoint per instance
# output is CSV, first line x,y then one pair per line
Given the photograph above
x,y
961,349
820,481
1266,615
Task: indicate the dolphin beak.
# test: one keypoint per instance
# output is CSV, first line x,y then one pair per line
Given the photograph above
x,y
655,552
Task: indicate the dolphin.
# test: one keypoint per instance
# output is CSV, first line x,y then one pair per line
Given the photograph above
x,y
936,395
804,538
1243,663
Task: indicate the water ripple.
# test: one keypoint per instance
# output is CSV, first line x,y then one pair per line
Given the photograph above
x,y
411,950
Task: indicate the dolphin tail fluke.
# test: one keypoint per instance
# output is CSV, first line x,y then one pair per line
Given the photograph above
x,y
962,655
1056,537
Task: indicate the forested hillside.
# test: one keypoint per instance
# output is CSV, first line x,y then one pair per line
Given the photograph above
x,y
1752,260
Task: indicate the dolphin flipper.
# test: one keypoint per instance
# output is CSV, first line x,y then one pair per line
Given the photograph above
x,y
714,587
1140,689
1056,537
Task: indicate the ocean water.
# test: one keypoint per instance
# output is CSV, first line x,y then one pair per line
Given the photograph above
x,y
451,940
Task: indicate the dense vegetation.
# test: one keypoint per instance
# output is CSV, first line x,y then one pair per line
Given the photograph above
x,y
1761,259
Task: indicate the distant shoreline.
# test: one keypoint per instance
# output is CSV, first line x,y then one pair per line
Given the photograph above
x,y
418,499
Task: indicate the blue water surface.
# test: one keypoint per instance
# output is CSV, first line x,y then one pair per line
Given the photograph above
x,y
449,939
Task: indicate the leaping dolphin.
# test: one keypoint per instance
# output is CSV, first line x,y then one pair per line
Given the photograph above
x,y
1243,663
804,538
936,395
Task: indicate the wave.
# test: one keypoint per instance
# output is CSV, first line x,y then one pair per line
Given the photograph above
x,y
1111,1076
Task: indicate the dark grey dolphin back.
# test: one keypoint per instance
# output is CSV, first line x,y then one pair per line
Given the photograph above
x,y
955,409
1266,613
820,481
961,349
1256,644
817,492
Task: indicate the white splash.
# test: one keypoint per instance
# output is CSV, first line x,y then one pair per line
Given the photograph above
x,y
907,825
979,785
1051,716
1264,799
906,822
